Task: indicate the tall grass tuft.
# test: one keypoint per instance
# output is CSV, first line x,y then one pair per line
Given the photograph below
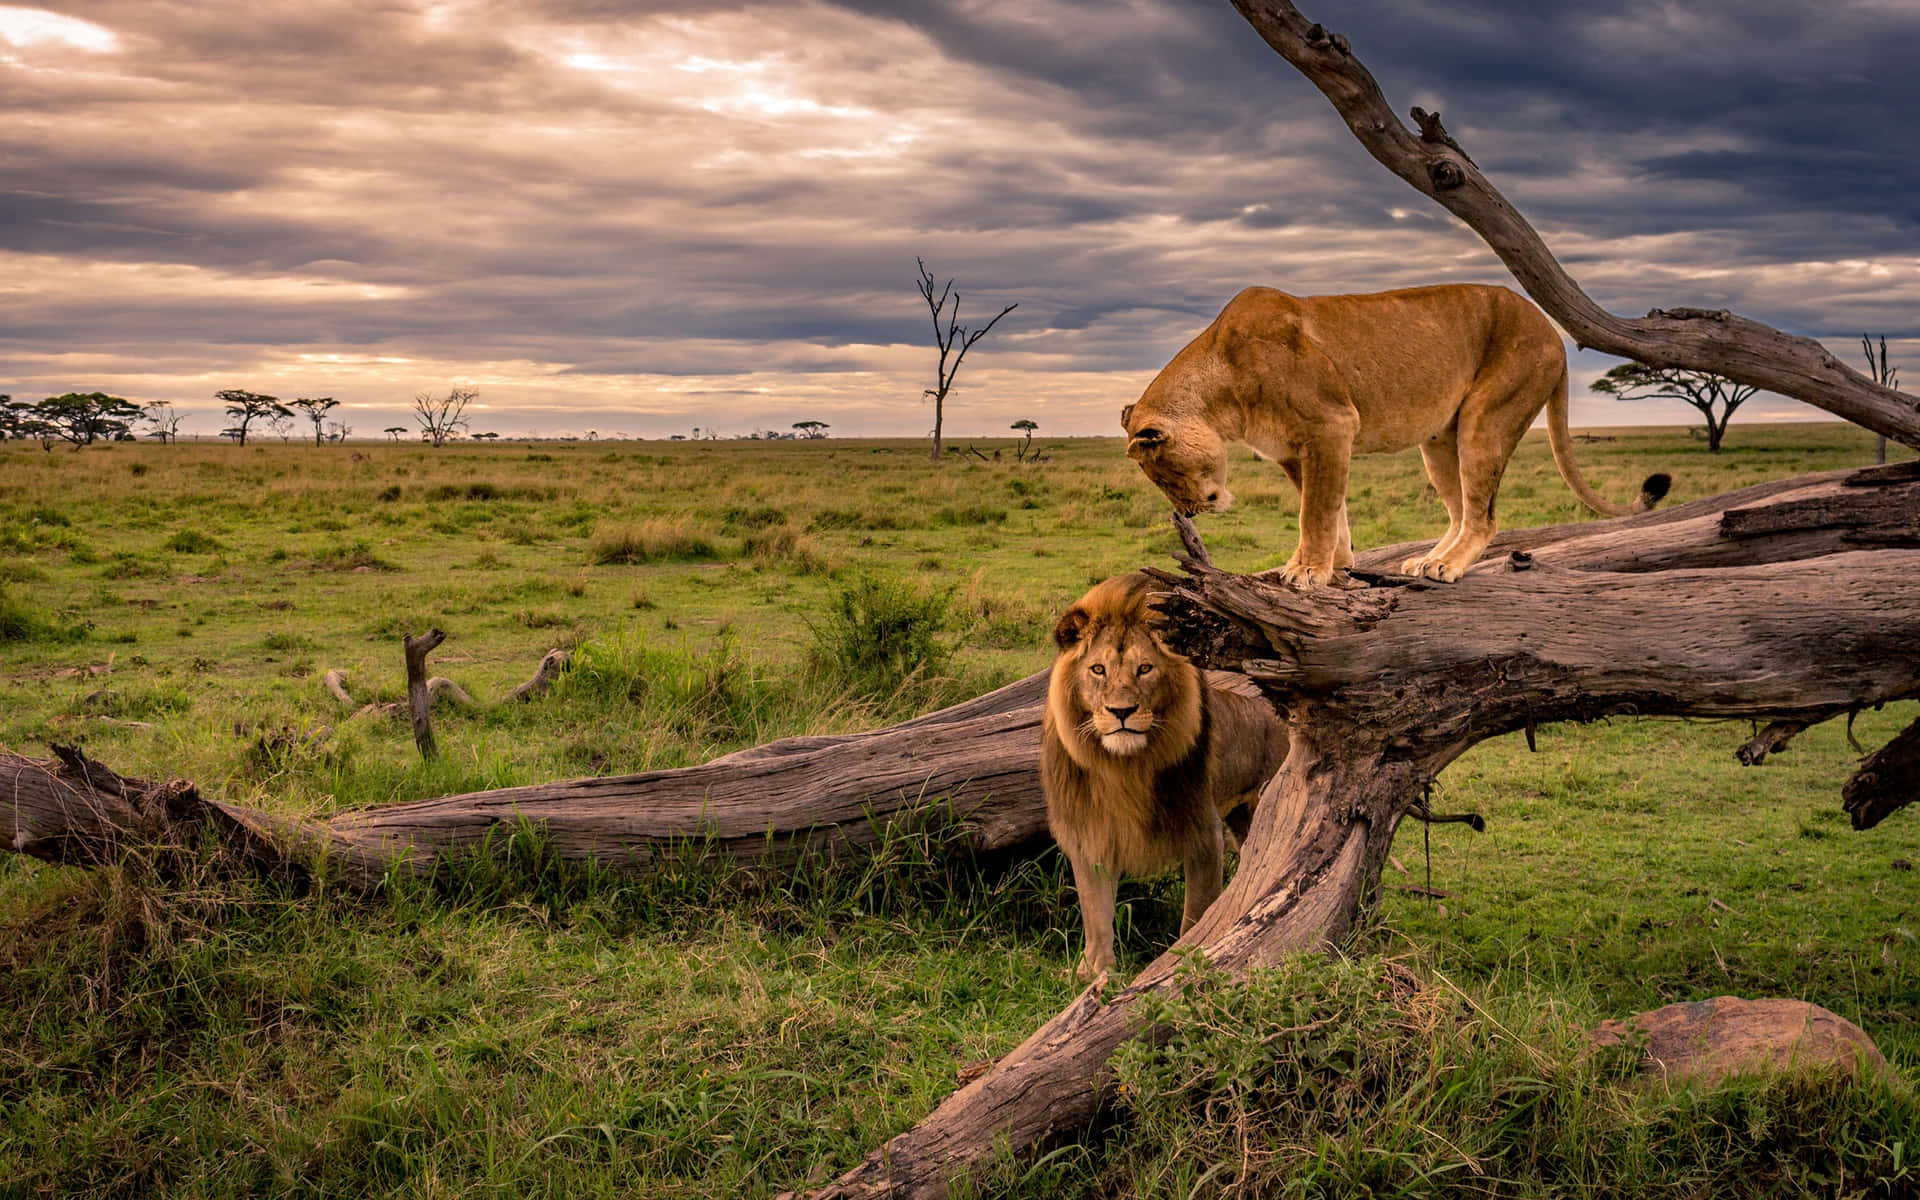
x,y
656,539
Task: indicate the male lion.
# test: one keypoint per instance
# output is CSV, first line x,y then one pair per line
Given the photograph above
x,y
1142,758
1459,370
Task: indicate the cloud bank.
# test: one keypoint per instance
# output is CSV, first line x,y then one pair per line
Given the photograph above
x,y
642,217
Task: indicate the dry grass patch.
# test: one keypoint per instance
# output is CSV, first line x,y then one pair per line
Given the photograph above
x,y
656,539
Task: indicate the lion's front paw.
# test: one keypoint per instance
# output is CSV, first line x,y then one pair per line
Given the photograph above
x,y
1090,972
1296,575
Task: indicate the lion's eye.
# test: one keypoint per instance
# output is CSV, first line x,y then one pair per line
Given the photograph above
x,y
1146,669
1097,669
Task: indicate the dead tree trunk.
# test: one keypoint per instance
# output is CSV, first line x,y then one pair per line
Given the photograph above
x,y
976,763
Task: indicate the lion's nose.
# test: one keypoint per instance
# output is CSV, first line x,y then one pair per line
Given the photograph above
x,y
1121,714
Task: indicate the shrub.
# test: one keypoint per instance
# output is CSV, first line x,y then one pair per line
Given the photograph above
x,y
193,541
21,621
880,635
657,539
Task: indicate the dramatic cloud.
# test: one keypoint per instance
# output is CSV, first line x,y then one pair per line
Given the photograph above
x,y
643,217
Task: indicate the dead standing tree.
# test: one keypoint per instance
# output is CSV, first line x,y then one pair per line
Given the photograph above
x,y
953,339
441,417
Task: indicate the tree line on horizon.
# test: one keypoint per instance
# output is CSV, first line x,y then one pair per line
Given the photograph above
x,y
84,418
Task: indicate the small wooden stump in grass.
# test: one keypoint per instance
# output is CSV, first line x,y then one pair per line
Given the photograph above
x,y
1709,1040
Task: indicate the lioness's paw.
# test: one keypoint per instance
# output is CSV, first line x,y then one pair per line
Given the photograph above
x,y
1088,972
1295,575
1430,568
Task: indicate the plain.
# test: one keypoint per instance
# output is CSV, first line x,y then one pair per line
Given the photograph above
x,y
522,1027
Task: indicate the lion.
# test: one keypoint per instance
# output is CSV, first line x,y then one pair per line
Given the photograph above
x,y
1459,370
1143,760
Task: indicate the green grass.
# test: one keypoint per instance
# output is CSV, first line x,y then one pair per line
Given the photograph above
x,y
528,1027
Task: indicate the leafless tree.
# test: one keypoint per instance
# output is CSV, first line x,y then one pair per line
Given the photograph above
x,y
1886,376
441,417
953,338
1714,395
164,418
338,431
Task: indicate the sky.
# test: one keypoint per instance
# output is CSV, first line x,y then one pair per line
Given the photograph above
x,y
639,217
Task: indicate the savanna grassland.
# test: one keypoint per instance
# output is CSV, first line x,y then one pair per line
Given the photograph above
x,y
520,1027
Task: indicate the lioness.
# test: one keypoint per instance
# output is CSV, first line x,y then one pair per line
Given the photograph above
x,y
1459,370
1141,758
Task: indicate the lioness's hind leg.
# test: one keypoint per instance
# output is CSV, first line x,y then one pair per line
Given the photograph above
x,y
1442,456
1488,432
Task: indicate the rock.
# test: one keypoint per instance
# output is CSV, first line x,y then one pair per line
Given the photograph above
x,y
1708,1040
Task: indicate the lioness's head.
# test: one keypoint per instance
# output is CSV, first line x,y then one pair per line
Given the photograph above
x,y
1184,456
1114,683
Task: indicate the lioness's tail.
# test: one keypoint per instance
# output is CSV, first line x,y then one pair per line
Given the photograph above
x,y
1651,491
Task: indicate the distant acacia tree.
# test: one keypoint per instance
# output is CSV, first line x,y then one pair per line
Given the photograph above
x,y
1715,396
486,437
337,431
20,419
86,417
1027,427
1886,376
441,417
393,432
812,429
953,339
315,409
244,408
163,419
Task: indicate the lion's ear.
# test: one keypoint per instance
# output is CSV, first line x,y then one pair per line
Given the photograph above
x,y
1126,416
1147,441
1072,624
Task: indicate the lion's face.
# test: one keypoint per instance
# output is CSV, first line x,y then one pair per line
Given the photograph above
x,y
1129,693
1186,459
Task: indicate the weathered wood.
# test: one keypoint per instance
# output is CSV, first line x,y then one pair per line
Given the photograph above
x,y
1886,780
1433,163
419,695
975,763
1887,515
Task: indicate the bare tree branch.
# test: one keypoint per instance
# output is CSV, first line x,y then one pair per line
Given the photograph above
x,y
1741,349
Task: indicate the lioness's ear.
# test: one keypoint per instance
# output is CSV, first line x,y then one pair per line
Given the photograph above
x,y
1145,442
1072,623
1126,416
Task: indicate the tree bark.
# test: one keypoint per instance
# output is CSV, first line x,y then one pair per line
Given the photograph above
x,y
1433,163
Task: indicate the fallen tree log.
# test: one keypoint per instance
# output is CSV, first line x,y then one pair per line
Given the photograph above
x,y
974,762
1386,684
